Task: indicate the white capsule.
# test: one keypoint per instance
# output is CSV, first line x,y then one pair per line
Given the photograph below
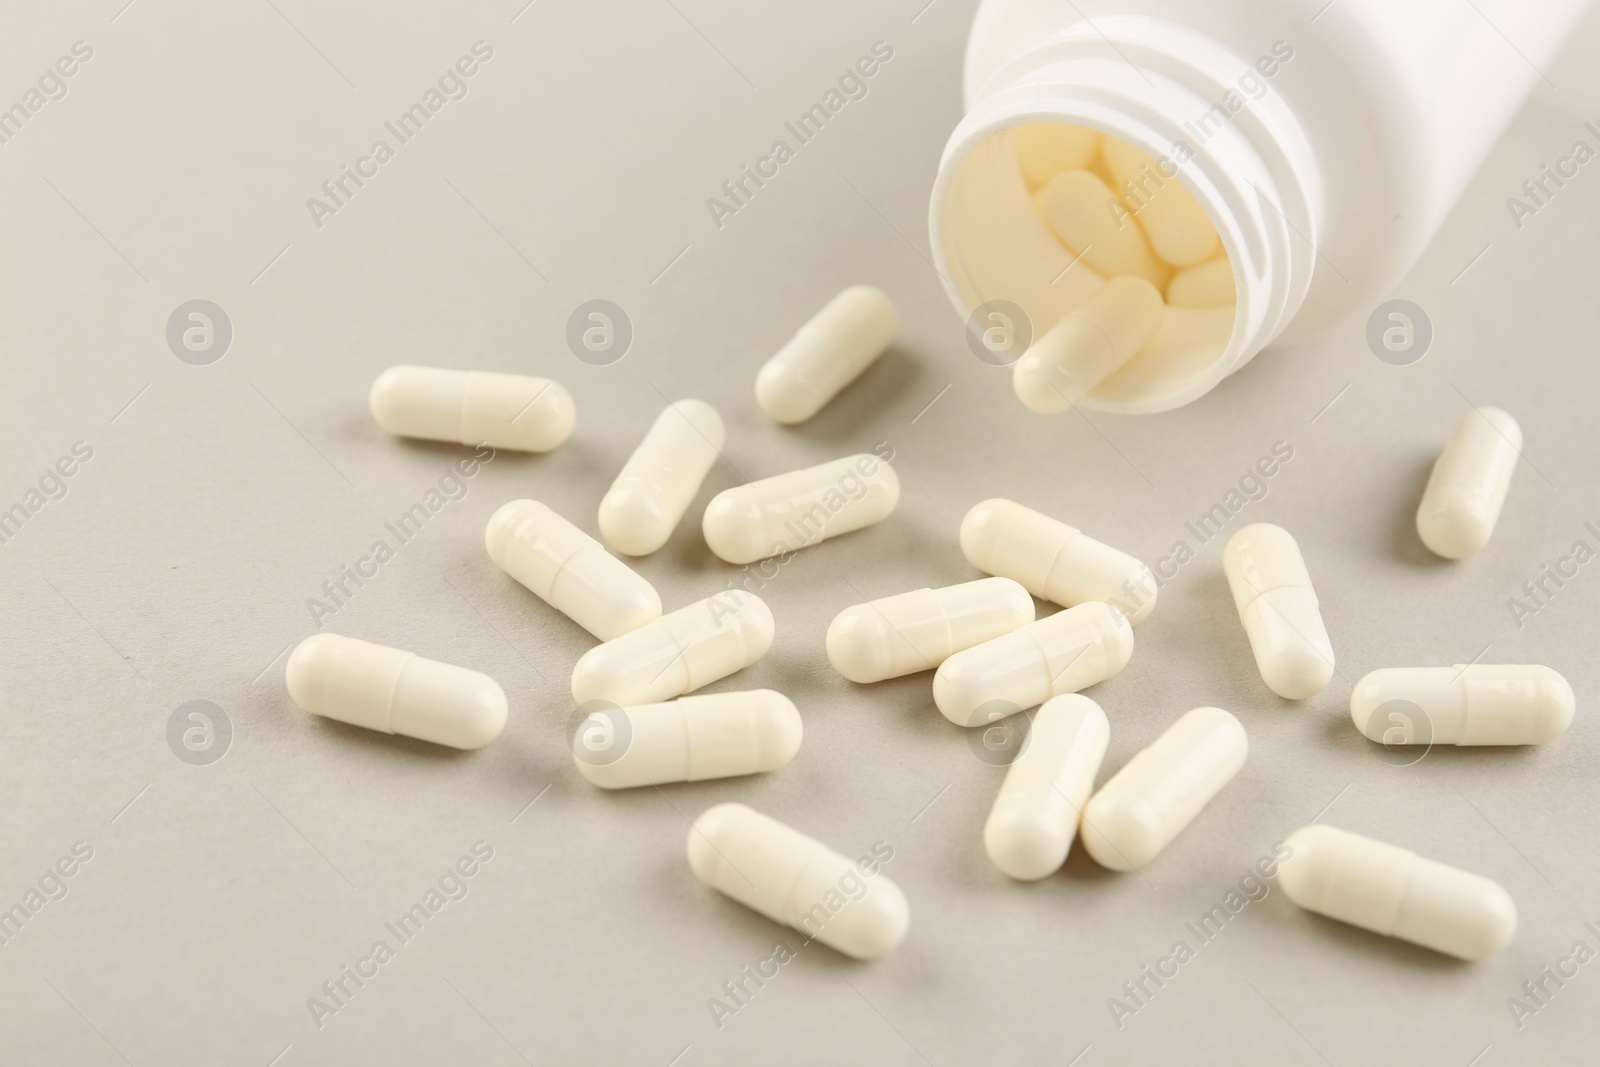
x,y
473,407
1159,792
1468,485
1178,227
1045,149
1061,653
917,631
717,735
1394,892
678,653
395,692
1035,817
569,570
1073,204
1272,590
1477,704
791,511
827,354
1054,561
1205,285
660,479
1087,345
794,879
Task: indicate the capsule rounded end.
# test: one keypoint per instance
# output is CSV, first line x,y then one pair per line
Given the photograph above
x,y
629,608
732,529
780,732
1296,671
858,645
880,306
481,718
634,523
1496,925
387,398
308,665
1556,705
601,775
1455,523
982,528
503,523
1139,598
591,674
1365,699
1042,384
1024,845
873,926
1257,540
1304,873
1118,641
1120,835
889,480
960,690
709,834
757,627
704,418
782,394
547,420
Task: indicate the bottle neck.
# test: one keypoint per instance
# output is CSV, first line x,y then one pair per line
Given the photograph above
x,y
1208,119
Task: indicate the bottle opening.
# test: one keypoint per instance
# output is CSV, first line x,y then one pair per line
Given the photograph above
x,y
1099,233
1042,215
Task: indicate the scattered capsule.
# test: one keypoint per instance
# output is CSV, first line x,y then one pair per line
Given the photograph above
x,y
660,479
1159,792
1035,817
678,653
791,511
1061,653
1087,345
569,570
1045,149
1394,892
1074,204
1205,285
1476,704
716,735
472,407
1054,561
1278,608
794,879
395,692
1179,229
827,354
917,631
1468,485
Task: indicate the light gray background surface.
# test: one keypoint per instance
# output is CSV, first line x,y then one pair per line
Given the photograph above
x,y
219,498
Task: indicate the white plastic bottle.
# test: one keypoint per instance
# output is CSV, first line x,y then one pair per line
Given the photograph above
x,y
1326,152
